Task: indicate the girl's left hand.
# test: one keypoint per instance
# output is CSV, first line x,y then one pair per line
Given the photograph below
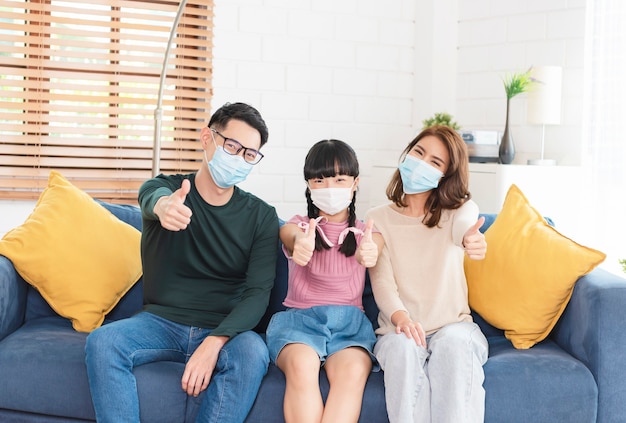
x,y
474,241
367,253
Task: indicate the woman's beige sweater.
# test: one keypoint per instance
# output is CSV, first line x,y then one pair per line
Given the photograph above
x,y
420,269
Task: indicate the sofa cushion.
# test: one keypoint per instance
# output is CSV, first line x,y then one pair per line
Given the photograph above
x,y
42,365
80,257
47,354
559,387
127,213
128,305
526,279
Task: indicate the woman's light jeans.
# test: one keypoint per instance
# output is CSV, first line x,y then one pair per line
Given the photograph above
x,y
113,350
439,384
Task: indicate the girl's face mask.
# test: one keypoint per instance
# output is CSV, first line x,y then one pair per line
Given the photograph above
x,y
331,200
418,176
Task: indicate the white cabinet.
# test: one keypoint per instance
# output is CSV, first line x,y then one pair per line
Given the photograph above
x,y
558,192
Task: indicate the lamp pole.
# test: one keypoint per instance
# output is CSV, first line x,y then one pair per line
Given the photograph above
x,y
158,112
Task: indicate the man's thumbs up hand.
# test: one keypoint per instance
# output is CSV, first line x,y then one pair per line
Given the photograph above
x,y
173,214
367,253
181,193
304,245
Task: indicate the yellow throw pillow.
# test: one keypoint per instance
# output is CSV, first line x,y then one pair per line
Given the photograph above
x,y
528,275
78,255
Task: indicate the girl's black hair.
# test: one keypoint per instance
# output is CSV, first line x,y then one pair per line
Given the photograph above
x,y
326,159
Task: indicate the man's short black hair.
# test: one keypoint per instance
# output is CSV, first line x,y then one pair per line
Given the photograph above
x,y
243,112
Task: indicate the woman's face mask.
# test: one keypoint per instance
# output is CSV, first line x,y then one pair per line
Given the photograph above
x,y
418,176
227,169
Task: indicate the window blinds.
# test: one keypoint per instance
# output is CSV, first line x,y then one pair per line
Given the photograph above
x,y
78,91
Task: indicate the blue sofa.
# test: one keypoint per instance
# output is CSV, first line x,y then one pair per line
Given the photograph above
x,y
576,375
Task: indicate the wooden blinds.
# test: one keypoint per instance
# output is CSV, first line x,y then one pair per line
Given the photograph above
x,y
79,83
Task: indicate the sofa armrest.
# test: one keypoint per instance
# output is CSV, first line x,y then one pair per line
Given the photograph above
x,y
592,330
13,291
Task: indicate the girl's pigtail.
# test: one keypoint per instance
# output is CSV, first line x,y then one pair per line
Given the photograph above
x,y
313,212
348,248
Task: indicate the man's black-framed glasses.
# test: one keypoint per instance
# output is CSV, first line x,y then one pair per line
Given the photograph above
x,y
234,147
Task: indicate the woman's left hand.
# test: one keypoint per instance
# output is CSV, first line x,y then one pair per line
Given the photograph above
x,y
474,241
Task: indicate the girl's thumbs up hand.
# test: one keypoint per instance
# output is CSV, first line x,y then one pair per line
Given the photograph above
x,y
367,253
304,245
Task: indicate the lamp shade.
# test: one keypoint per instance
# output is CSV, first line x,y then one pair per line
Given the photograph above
x,y
544,97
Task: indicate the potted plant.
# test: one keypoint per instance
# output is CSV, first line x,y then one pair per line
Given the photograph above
x,y
514,84
441,118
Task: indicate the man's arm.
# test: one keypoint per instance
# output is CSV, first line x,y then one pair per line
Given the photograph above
x,y
260,277
199,368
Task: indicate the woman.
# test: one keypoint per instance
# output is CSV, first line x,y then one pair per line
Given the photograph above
x,y
430,349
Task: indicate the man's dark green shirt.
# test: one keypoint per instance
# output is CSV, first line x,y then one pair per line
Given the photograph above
x,y
219,271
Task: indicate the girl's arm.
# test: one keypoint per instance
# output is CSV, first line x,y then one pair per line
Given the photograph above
x,y
288,233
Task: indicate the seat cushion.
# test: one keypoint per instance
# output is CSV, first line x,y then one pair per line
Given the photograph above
x,y
560,388
45,360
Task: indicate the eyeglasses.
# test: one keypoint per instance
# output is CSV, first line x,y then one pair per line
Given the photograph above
x,y
234,147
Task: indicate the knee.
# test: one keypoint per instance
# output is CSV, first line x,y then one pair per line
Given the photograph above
x,y
400,347
98,341
301,370
459,338
247,350
355,370
102,346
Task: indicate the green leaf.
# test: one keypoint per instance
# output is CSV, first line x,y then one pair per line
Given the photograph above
x,y
517,83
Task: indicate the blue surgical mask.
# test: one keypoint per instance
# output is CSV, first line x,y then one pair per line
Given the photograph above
x,y
418,176
227,169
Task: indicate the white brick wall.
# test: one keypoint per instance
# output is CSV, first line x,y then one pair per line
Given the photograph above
x,y
323,69
369,71
497,37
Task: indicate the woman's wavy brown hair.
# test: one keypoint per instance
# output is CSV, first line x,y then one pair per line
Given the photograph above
x,y
453,189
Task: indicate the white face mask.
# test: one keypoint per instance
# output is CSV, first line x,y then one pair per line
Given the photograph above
x,y
331,200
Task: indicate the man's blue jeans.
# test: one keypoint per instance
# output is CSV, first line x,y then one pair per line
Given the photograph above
x,y
113,350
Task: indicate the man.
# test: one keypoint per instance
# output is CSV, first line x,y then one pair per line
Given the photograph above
x,y
209,253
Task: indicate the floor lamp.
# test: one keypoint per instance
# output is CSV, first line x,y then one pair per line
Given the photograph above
x,y
158,112
544,103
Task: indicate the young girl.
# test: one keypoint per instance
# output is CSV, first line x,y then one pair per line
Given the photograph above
x,y
429,348
328,252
